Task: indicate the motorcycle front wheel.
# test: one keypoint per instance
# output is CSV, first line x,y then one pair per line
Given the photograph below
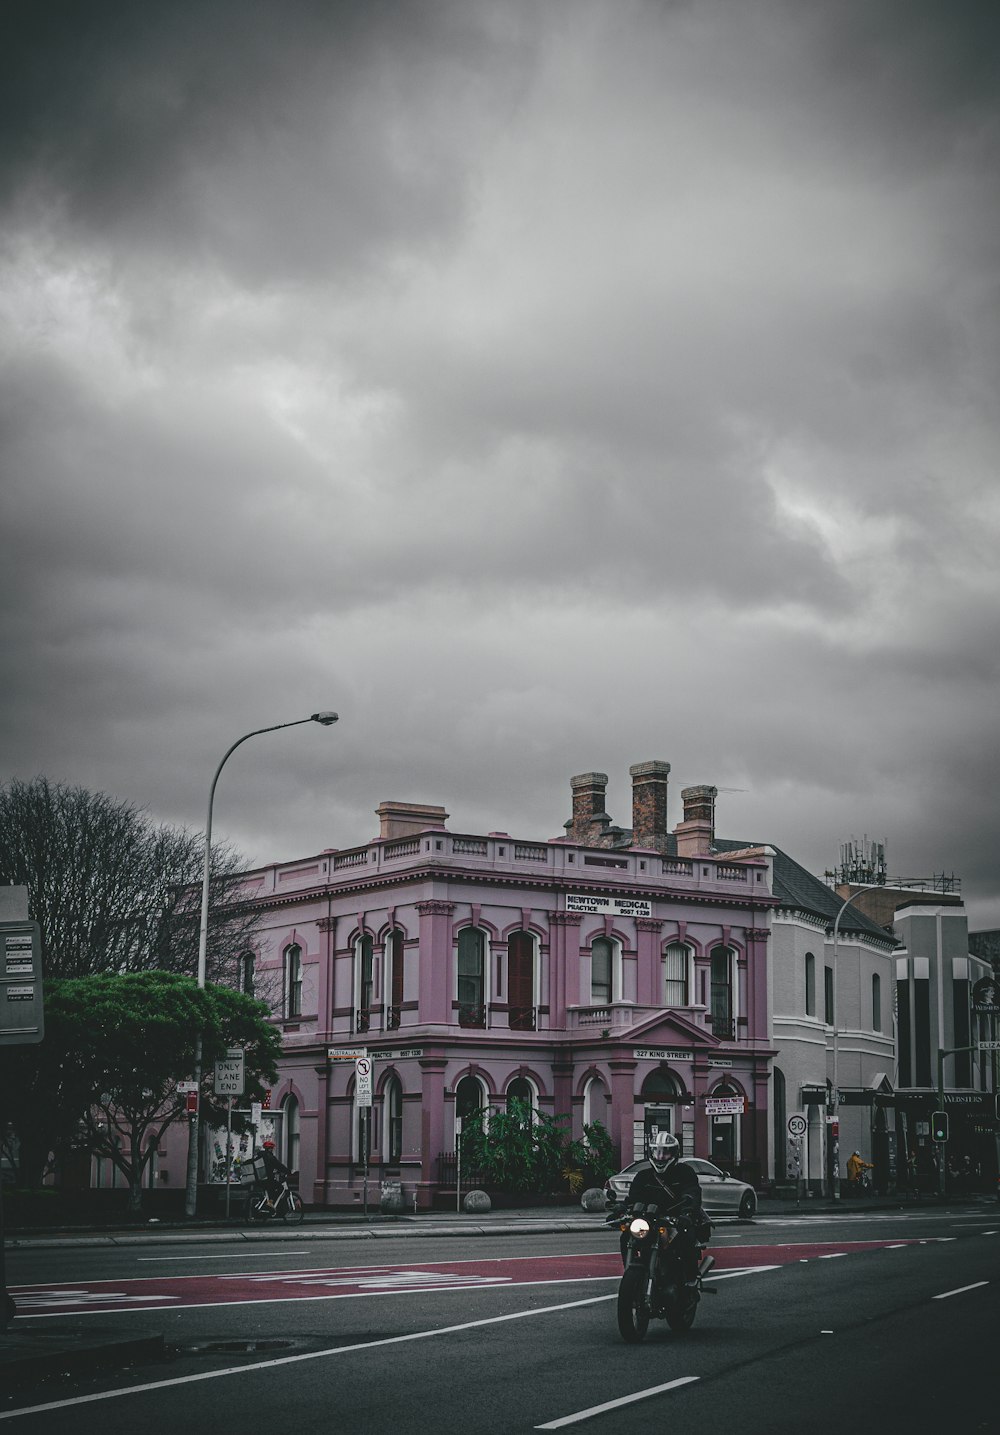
x,y
633,1312
681,1312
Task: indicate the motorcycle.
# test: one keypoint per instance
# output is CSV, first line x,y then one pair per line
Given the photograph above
x,y
653,1284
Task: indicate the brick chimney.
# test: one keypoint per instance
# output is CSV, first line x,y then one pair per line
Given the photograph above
x,y
649,804
696,834
589,821
405,819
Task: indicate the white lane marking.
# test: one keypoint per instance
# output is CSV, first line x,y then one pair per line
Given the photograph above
x,y
744,1271
298,1359
78,1298
831,1255
238,1256
379,1279
961,1290
339,1295
900,1246
617,1404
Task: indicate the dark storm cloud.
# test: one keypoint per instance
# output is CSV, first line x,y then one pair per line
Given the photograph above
x,y
547,388
276,139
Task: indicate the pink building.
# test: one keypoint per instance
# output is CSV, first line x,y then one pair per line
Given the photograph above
x,y
611,974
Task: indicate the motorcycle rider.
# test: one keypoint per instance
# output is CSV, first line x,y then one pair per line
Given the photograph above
x,y
669,1184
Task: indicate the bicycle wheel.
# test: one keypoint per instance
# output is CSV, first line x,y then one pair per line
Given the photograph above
x,y
293,1210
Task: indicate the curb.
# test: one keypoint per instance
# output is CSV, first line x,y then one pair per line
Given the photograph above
x,y
29,1356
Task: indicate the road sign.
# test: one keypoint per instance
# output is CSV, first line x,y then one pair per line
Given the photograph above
x,y
185,1086
345,1053
22,1019
363,1078
229,1074
797,1125
989,1046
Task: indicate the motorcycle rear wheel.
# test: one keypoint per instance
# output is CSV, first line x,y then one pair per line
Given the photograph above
x,y
633,1312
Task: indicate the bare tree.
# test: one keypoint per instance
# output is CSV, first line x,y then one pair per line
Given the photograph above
x,y
111,891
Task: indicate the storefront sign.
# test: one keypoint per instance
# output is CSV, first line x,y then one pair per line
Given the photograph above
x,y
720,1061
401,1055
724,1106
345,1053
609,906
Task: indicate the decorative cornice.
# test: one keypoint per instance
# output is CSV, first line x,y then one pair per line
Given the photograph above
x,y
758,934
565,919
650,924
383,879
435,908
327,924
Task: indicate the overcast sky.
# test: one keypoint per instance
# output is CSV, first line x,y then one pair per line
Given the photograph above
x,y
544,386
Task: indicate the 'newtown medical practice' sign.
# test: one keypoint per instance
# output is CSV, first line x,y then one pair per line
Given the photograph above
x,y
609,906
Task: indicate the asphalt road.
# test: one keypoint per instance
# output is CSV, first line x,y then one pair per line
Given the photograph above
x,y
853,1323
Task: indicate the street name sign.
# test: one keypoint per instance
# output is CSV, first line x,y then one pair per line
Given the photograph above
x,y
229,1073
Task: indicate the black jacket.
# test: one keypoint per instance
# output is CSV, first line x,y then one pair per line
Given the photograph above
x,y
275,1171
678,1184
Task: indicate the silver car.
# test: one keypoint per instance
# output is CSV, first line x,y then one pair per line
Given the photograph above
x,y
721,1195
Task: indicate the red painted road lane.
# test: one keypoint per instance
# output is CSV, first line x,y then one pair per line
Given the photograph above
x,y
178,1292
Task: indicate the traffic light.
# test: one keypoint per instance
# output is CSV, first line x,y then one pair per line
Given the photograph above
x,y
939,1126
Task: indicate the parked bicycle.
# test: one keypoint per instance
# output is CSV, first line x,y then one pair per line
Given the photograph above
x,y
286,1205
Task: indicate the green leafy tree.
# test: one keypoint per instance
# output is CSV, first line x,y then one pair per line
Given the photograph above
x,y
118,1045
593,1159
524,1150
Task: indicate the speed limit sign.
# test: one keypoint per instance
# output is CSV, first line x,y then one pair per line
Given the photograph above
x,y
796,1125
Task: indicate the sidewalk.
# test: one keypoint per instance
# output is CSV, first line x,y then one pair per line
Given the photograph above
x,y
37,1351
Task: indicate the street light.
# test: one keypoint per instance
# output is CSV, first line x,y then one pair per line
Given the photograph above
x,y
325,719
835,1104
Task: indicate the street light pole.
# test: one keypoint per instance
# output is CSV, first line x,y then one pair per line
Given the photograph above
x,y
835,1103
191,1193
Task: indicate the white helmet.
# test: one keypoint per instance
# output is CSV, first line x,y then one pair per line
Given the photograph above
x,y
664,1151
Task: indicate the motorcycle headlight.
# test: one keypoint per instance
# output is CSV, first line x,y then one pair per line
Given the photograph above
x,y
639,1227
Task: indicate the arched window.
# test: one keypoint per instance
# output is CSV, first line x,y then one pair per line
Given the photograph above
x,y
394,978
810,984
470,1098
676,968
293,980
595,1102
393,1104
876,1002
521,1089
364,958
521,981
602,958
290,1133
471,977
246,975
722,1005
